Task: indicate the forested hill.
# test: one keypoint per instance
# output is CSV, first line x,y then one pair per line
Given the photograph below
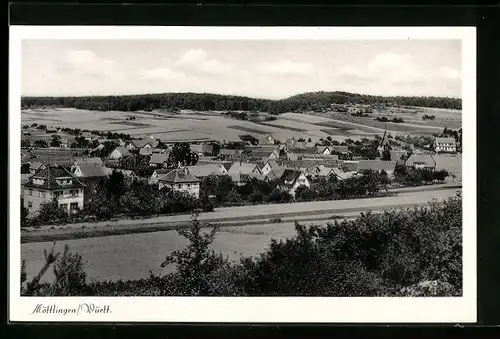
x,y
216,102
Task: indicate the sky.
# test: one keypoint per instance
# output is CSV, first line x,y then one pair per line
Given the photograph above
x,y
272,69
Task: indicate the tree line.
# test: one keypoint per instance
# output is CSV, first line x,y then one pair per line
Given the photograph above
x,y
399,253
216,102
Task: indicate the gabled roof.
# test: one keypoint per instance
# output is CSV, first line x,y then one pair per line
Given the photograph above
x,y
35,165
324,171
179,175
143,142
123,151
422,159
145,151
92,170
201,171
275,173
159,158
447,140
341,174
272,164
50,175
242,168
288,177
349,166
376,165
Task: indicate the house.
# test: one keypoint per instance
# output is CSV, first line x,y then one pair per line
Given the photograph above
x,y
180,180
377,165
290,180
147,150
140,143
87,136
53,182
269,166
295,143
153,179
303,150
420,160
208,149
274,174
86,160
89,170
203,171
159,159
267,140
269,154
445,145
244,168
324,171
117,141
118,153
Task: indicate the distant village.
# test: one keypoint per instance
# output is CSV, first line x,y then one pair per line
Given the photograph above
x,y
63,165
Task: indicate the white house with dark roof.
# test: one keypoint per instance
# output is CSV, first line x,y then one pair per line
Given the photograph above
x,y
290,180
180,180
445,145
53,182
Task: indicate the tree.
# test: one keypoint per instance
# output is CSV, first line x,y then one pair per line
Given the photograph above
x,y
197,261
386,154
55,141
182,154
50,213
304,193
114,185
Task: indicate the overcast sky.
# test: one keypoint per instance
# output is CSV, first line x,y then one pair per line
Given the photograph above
x,y
267,69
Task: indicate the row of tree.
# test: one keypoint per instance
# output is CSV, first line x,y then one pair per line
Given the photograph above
x,y
414,252
205,101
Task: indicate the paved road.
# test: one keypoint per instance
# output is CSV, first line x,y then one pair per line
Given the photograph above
x,y
261,211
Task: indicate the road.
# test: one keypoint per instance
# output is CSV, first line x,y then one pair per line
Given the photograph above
x,y
241,213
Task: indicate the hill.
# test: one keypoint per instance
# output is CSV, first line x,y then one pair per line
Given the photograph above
x,y
217,102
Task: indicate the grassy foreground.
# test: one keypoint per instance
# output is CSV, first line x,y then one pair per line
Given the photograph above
x,y
412,252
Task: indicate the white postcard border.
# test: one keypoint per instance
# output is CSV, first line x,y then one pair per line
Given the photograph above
x,y
252,309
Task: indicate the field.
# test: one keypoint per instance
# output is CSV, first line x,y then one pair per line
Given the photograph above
x,y
191,125
132,256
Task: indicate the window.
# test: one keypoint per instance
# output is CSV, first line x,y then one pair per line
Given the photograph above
x,y
179,186
188,185
30,204
64,206
40,194
30,193
73,206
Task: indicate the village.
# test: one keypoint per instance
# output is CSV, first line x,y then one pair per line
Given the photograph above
x,y
66,166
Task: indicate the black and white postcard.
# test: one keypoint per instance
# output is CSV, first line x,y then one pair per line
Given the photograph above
x,y
242,174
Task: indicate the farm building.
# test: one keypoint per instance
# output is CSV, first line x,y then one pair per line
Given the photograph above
x,y
397,154
140,143
86,160
445,145
229,153
420,160
180,180
118,153
53,182
290,180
